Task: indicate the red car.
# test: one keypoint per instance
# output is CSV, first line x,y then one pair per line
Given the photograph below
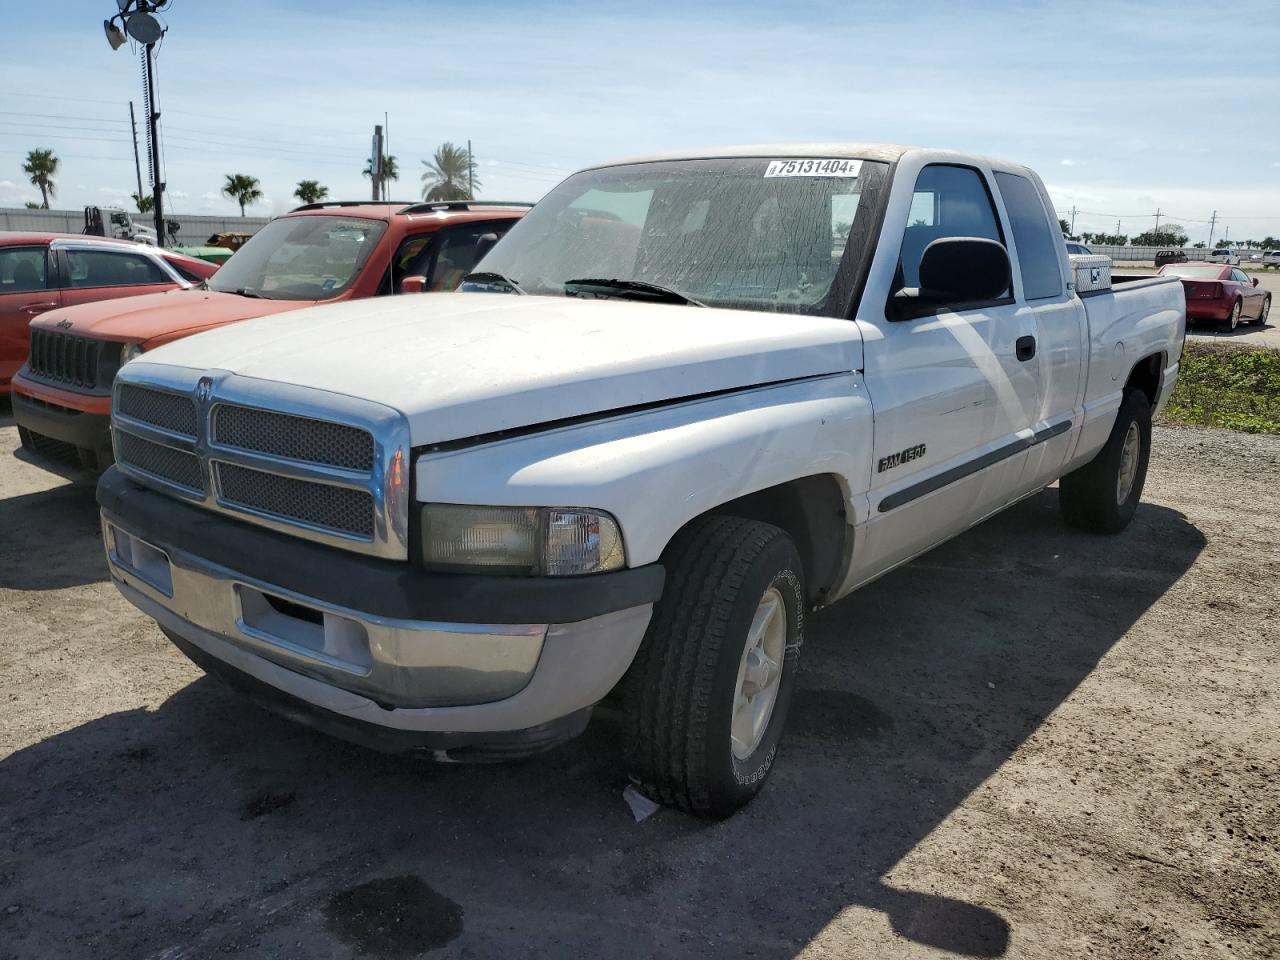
x,y
1220,292
43,271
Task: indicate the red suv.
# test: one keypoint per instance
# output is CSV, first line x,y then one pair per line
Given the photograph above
x,y
320,252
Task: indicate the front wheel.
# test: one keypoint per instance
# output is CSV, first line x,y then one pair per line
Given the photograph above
x,y
706,699
1102,496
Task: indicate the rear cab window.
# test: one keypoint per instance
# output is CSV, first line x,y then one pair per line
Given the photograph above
x,y
1035,242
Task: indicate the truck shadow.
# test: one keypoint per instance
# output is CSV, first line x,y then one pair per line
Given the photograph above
x,y
51,539
210,826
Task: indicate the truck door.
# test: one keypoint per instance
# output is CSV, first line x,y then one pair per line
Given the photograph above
x,y
1057,320
28,287
953,404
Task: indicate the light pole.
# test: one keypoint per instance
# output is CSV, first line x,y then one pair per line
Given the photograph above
x,y
138,21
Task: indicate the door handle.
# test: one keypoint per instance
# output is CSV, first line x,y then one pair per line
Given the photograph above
x,y
1025,348
38,307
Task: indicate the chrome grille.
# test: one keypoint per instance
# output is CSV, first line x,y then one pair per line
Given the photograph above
x,y
342,509
293,437
173,466
158,408
65,358
317,465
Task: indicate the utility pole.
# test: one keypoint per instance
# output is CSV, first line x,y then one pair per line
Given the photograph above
x,y
153,118
1117,228
1212,221
1073,219
137,164
1157,230
375,163
471,172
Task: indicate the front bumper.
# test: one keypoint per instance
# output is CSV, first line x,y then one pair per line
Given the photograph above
x,y
398,682
49,418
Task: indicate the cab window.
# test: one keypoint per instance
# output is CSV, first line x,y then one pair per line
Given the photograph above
x,y
1035,241
948,201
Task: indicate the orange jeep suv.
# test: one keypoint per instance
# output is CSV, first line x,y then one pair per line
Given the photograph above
x,y
320,252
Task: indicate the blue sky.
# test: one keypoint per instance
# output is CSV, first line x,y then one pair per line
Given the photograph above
x,y
1121,107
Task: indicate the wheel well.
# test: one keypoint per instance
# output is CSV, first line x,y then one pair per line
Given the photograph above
x,y
812,512
1145,376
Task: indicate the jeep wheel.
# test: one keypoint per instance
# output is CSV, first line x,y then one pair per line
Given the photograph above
x,y
1103,495
706,699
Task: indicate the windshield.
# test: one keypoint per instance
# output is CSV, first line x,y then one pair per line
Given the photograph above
x,y
300,258
757,233
1192,273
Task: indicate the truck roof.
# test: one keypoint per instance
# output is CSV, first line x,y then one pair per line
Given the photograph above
x,y
886,152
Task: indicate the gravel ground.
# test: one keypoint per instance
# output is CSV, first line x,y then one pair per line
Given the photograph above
x,y
1029,743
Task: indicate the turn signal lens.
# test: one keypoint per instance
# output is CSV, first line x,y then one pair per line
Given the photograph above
x,y
581,541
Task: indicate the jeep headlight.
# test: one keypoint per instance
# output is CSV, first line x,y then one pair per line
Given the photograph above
x,y
535,541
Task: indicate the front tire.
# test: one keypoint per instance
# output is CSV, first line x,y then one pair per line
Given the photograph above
x,y
706,699
1103,495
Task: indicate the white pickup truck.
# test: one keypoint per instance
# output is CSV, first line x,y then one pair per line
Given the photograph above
x,y
685,401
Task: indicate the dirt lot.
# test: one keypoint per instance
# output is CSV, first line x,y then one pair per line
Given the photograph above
x,y
1030,743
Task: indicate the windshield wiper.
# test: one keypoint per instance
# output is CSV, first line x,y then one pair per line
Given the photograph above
x,y
488,276
246,292
640,288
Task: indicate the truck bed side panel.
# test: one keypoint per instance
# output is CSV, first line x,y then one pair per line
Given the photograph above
x,y
1127,324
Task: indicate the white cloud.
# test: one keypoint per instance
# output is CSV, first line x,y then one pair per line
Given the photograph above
x,y
1067,163
210,196
179,194
113,191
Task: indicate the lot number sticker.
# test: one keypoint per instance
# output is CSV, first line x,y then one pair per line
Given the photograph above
x,y
813,168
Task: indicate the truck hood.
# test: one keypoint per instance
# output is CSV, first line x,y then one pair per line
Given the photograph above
x,y
462,365
161,316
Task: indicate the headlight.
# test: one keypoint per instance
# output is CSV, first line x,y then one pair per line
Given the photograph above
x,y
129,351
538,541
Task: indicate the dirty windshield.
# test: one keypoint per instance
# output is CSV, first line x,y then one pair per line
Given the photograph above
x,y
753,233
300,258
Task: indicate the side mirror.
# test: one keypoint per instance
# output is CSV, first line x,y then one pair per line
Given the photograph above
x,y
413,285
1255,281
955,270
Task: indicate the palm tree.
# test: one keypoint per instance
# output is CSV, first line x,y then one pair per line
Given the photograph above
x,y
311,191
243,189
42,167
143,202
389,172
450,174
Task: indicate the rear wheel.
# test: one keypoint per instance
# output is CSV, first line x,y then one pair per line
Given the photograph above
x,y
1103,495
1233,321
1262,314
706,699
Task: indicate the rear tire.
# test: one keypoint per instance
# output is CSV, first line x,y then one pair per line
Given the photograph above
x,y
1233,321
1103,495
727,629
1262,314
